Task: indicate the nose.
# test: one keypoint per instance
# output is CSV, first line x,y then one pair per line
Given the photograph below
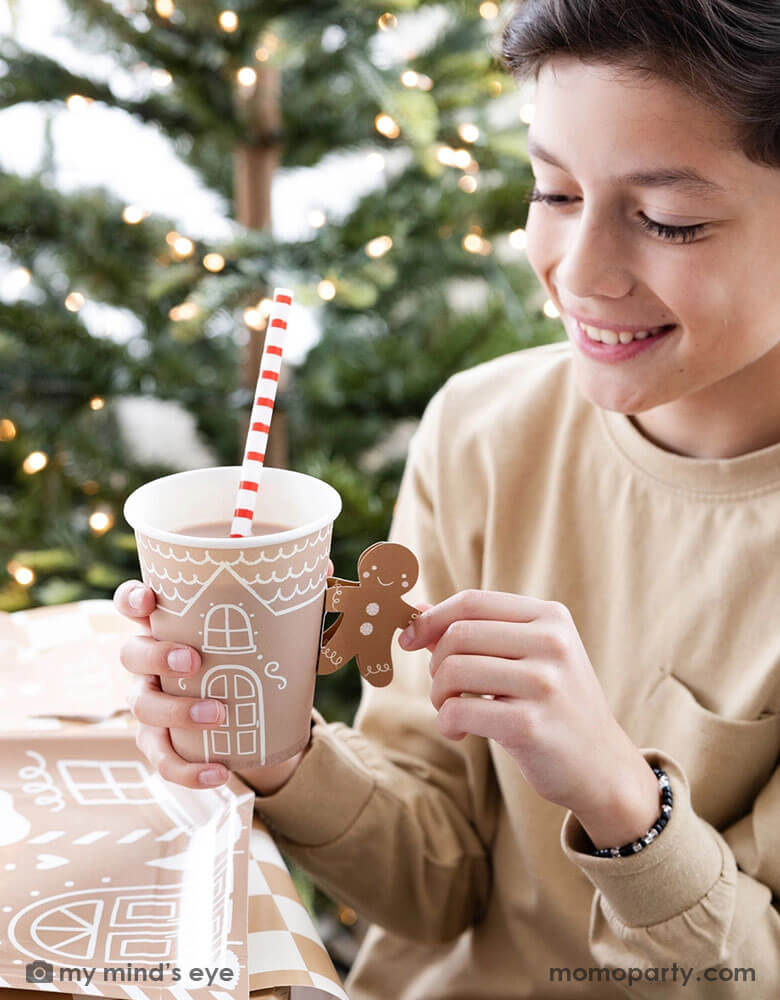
x,y
594,259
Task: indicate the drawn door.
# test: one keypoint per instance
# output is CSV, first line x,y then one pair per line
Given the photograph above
x,y
243,731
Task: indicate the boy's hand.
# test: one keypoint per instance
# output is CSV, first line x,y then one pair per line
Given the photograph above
x,y
546,707
157,712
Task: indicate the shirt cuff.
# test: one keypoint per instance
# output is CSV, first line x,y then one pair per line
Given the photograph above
x,y
667,877
327,792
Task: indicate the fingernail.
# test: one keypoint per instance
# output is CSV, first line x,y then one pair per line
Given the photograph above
x,y
136,598
205,711
180,660
212,776
406,638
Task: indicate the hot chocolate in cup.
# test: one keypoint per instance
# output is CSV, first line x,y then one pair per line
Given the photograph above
x,y
252,606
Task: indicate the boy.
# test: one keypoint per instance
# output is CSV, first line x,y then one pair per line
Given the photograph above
x,y
587,517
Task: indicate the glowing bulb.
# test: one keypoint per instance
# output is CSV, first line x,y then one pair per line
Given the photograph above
x,y
316,218
183,247
409,78
378,247
517,239
22,574
228,20
164,8
472,243
161,78
326,290
262,54
461,158
97,403
347,915
74,301
387,21
488,11
424,82
170,238
376,162
486,248
7,430
133,214
34,462
495,87
20,278
90,487
254,319
184,311
527,114
467,184
468,132
246,76
387,126
214,262
445,155
100,522
549,309
76,102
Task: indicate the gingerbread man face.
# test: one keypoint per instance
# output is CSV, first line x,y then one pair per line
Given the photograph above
x,y
387,569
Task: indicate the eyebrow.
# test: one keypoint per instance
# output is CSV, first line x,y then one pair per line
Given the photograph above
x,y
683,177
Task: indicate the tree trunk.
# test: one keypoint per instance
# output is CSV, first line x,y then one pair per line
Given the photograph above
x,y
254,164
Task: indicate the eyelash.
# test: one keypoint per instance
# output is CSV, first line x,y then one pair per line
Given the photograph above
x,y
681,234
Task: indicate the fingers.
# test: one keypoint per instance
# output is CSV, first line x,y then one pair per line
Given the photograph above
x,y
471,604
490,675
153,707
512,640
135,601
155,744
143,655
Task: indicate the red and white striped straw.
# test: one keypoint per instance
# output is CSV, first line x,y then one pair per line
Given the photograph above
x,y
262,411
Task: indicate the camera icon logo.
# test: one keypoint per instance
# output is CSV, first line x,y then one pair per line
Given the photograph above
x,y
39,972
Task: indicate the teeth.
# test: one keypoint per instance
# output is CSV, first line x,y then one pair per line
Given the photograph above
x,y
611,337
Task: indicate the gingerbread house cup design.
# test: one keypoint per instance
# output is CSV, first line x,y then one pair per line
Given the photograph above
x,y
255,613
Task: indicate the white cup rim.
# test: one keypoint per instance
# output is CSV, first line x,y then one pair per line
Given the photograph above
x,y
332,505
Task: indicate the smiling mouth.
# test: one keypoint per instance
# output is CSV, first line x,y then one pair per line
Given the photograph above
x,y
384,584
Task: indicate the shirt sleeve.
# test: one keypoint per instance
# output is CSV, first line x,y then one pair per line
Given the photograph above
x,y
388,816
695,900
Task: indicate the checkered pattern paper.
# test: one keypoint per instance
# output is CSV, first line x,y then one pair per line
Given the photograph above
x,y
286,956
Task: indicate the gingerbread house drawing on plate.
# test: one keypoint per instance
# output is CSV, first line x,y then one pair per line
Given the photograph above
x,y
257,618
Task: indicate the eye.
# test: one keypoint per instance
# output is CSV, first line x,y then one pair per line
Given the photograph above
x,y
679,234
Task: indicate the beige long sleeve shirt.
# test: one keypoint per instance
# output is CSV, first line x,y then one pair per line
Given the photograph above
x,y
478,887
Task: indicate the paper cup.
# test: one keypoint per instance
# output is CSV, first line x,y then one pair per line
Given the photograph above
x,y
252,606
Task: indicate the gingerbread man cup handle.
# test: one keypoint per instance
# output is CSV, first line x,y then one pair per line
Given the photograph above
x,y
369,612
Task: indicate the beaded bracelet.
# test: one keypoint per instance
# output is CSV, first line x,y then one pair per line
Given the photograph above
x,y
655,829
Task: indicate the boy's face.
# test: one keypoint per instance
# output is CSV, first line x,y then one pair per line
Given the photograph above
x,y
708,388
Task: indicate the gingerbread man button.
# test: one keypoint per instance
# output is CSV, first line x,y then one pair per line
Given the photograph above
x,y
369,612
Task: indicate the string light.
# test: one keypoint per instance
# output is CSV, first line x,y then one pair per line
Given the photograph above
x,y
326,290
387,126
184,311
376,162
183,247
316,218
101,521
228,20
133,214
161,77
379,246
468,184
22,574
246,76
527,113
549,309
7,429
454,157
170,238
90,487
517,239
424,82
97,403
468,132
387,21
347,915
409,78
472,243
18,280
488,11
271,42
77,102
164,8
262,54
74,301
495,87
34,462
214,262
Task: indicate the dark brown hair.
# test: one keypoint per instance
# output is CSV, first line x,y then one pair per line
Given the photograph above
x,y
725,53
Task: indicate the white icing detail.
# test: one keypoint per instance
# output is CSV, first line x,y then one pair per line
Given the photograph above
x,y
366,628
372,608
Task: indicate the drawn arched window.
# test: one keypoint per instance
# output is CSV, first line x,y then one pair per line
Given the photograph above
x,y
227,628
